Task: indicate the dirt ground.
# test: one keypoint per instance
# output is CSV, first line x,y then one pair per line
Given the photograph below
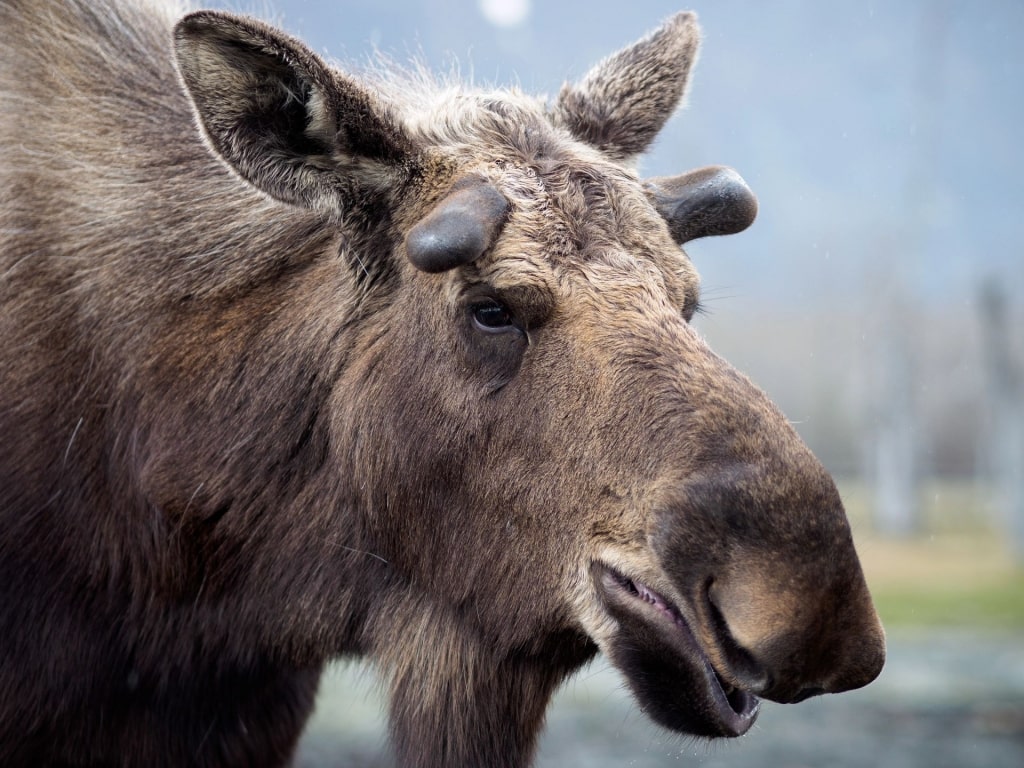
x,y
945,700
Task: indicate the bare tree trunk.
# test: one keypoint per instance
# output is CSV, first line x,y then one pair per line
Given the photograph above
x,y
892,452
1003,448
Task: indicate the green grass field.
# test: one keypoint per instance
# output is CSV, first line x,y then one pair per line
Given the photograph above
x,y
958,570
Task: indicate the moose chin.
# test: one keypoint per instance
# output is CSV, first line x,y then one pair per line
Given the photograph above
x,y
299,364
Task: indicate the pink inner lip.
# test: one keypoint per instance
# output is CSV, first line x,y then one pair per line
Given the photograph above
x,y
737,706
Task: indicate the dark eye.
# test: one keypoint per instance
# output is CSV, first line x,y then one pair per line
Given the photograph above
x,y
492,316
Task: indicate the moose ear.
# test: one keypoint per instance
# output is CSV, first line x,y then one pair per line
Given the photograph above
x,y
283,120
622,103
709,201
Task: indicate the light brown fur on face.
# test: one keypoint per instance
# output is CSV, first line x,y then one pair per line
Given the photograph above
x,y
296,365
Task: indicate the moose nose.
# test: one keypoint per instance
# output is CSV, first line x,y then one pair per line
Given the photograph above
x,y
794,639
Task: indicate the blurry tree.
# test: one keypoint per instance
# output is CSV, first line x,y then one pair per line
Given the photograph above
x,y
897,436
892,447
1003,450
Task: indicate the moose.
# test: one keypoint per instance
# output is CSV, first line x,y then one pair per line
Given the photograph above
x,y
299,365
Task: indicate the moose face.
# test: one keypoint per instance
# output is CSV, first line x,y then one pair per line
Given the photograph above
x,y
535,435
583,442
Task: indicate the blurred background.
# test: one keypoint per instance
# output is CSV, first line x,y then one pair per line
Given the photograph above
x,y
879,299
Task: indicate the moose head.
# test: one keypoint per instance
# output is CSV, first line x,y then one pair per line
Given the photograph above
x,y
538,441
384,367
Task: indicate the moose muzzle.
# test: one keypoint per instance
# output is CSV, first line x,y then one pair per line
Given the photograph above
x,y
757,592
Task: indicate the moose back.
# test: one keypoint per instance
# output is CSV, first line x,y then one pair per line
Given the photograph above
x,y
298,365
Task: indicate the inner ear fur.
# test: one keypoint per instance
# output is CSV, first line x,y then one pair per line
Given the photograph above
x,y
623,102
280,117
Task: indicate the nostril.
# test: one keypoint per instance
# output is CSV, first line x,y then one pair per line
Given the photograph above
x,y
807,693
745,668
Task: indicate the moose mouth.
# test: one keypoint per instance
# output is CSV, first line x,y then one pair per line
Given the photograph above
x,y
667,669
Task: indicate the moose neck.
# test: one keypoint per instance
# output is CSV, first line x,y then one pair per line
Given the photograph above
x,y
447,687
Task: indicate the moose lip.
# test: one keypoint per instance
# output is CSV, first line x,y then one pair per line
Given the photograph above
x,y
734,708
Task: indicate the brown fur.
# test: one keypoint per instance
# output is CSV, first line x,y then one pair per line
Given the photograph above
x,y
243,434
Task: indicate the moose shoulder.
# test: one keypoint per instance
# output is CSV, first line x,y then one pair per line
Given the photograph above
x,y
297,365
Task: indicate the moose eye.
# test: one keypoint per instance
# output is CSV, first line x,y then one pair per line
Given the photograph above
x,y
492,316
